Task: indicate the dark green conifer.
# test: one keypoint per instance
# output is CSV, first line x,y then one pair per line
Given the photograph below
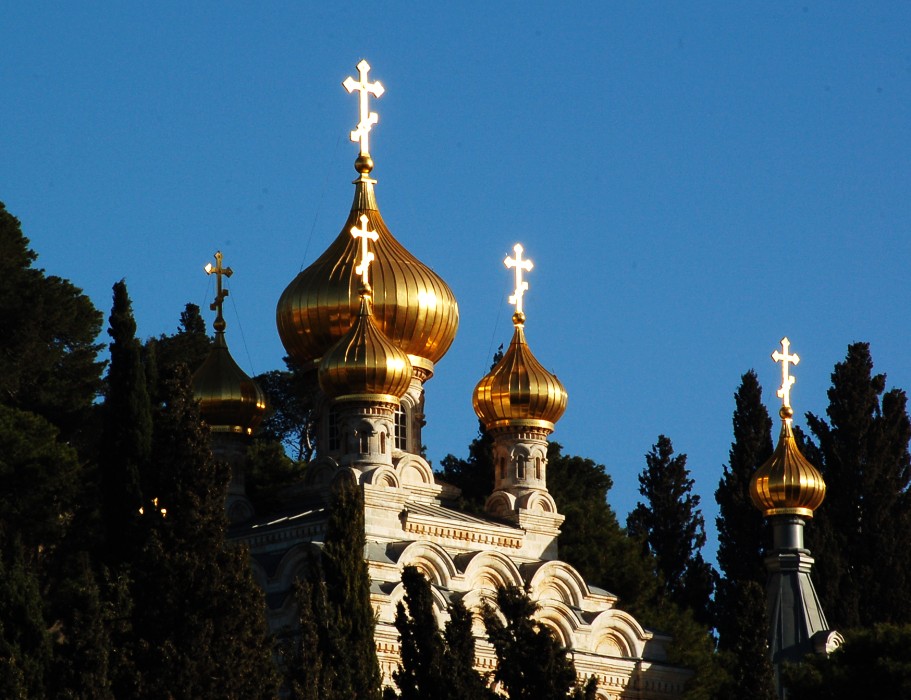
x,y
48,355
126,446
348,596
743,534
746,655
672,528
198,616
531,664
859,535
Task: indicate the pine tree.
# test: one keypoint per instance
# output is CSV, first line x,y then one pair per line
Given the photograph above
x,y
859,535
531,664
198,617
48,355
742,532
672,528
126,446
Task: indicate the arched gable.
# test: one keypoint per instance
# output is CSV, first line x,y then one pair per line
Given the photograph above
x,y
293,563
431,559
558,581
617,633
412,469
490,571
561,621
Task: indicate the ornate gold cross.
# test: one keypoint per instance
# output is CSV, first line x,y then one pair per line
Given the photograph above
x,y
220,293
784,393
368,118
521,285
366,256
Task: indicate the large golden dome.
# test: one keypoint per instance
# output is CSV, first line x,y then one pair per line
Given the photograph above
x,y
518,390
229,401
787,484
365,363
412,305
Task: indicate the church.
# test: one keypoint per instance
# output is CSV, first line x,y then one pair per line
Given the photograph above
x,y
369,322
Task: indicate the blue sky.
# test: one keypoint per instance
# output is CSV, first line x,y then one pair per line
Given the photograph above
x,y
692,180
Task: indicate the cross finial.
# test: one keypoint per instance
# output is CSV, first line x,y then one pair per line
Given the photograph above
x,y
367,118
521,285
785,358
366,256
220,293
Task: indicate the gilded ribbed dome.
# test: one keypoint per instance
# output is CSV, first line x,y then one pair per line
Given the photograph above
x,y
412,305
229,401
518,390
787,484
363,362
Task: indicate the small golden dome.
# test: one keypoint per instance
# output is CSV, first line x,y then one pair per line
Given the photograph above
x,y
229,401
412,305
787,484
365,363
518,390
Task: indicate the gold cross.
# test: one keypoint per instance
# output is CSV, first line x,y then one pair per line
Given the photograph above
x,y
784,393
368,118
220,294
521,285
366,256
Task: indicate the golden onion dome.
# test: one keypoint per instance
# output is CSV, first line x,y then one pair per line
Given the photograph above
x,y
787,484
518,390
364,363
412,306
229,401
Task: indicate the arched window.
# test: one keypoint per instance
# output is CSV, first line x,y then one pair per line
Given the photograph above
x,y
382,442
520,466
538,468
363,442
335,442
401,429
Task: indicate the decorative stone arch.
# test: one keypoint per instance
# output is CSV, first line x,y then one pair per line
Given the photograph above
x,y
539,501
617,633
413,469
293,563
490,571
381,476
433,561
560,620
320,471
474,602
558,581
500,504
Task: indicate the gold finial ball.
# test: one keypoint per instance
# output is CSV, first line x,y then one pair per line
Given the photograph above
x,y
219,325
363,164
786,412
518,318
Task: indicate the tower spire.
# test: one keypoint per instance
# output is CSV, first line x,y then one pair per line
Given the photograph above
x,y
788,489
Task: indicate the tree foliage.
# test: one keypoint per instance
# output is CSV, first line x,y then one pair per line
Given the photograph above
x,y
531,664
48,355
743,535
433,664
672,528
859,535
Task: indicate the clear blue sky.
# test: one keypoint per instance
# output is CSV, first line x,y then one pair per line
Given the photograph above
x,y
692,180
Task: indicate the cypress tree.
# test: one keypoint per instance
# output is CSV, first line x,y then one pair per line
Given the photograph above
x,y
742,531
198,617
531,664
348,596
859,535
672,528
434,665
746,656
126,446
